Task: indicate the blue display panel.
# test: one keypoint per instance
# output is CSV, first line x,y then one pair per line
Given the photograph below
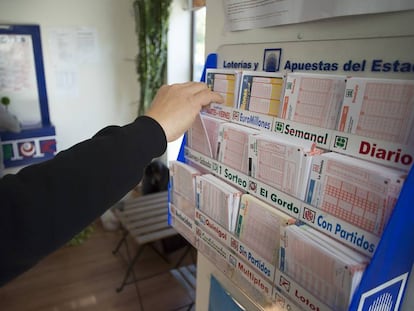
x,y
22,80
385,280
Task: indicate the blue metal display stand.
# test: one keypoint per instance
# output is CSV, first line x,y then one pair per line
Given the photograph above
x,y
385,280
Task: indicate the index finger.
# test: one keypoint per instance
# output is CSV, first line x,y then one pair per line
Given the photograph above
x,y
195,87
208,96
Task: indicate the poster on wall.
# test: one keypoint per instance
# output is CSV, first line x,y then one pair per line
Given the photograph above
x,y
243,15
18,78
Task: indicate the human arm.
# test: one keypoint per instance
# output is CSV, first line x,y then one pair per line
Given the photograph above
x,y
44,205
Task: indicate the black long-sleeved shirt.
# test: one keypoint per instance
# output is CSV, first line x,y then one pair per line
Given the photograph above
x,y
46,204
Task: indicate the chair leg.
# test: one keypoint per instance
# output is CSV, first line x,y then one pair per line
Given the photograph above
x,y
118,246
180,260
159,253
131,269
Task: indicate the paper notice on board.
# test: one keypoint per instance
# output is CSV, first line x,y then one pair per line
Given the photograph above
x,y
69,48
18,78
73,45
242,15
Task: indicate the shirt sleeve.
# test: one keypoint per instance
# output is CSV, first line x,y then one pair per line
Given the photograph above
x,y
44,205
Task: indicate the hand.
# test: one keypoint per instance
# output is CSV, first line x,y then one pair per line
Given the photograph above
x,y
176,106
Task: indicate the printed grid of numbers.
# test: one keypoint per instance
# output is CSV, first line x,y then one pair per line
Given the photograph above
x,y
313,101
310,267
235,153
261,231
265,95
384,111
349,206
197,138
277,165
214,203
225,85
350,194
212,128
183,181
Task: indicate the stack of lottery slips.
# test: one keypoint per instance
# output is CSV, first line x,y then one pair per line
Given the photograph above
x,y
261,92
282,163
357,191
323,266
233,146
183,187
259,227
226,82
203,134
218,200
379,108
313,99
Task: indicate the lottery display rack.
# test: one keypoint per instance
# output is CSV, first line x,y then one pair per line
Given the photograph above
x,y
385,279
363,241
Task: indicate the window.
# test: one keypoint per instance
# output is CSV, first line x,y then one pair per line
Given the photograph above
x,y
198,45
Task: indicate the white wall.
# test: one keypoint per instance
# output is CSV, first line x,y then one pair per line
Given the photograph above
x,y
359,26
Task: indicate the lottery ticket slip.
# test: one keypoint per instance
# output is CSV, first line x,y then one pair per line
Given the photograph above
x,y
233,146
182,180
354,190
261,92
379,108
259,226
203,134
218,200
323,266
313,99
281,162
226,82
